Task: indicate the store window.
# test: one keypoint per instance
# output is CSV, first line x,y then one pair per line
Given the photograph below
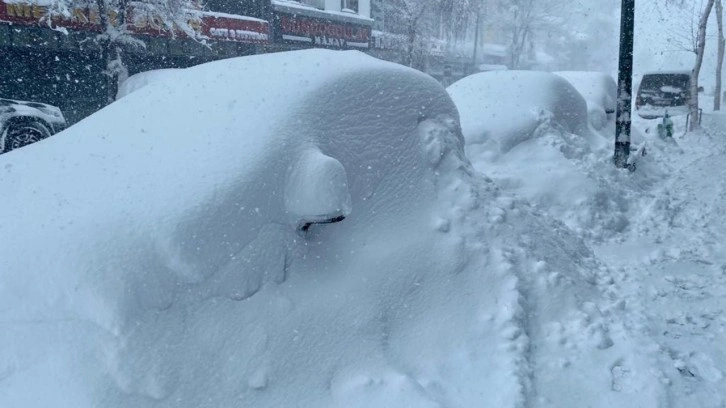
x,y
349,5
318,4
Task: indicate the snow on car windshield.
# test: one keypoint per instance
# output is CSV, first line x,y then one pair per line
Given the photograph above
x,y
671,89
362,203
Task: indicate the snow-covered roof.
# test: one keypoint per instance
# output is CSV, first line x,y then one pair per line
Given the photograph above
x,y
304,9
231,16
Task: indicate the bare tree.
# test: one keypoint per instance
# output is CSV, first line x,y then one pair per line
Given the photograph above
x,y
701,47
455,16
524,20
719,61
411,18
521,23
695,42
423,21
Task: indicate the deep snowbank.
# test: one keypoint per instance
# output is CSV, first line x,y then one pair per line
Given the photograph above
x,y
530,132
151,255
659,229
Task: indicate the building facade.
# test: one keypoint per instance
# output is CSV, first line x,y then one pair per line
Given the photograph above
x,y
340,24
57,60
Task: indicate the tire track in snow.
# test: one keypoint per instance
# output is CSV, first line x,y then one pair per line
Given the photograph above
x,y
475,209
516,330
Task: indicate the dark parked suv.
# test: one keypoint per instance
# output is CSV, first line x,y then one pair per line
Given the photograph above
x,y
23,123
663,91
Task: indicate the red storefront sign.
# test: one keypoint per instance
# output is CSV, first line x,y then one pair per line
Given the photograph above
x,y
217,26
235,28
322,32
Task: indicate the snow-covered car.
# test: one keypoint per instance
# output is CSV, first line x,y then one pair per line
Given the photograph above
x,y
23,123
501,109
661,92
297,229
600,92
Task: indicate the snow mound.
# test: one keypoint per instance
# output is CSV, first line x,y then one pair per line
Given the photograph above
x,y
600,92
502,109
564,170
152,255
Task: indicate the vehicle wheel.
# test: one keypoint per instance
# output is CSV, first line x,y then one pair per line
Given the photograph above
x,y
24,133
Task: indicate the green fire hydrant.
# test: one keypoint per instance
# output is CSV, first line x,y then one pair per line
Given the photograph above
x,y
665,129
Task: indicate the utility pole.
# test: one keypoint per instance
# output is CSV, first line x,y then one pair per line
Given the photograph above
x,y
474,63
625,85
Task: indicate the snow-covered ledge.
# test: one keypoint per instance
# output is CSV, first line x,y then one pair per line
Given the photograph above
x,y
332,10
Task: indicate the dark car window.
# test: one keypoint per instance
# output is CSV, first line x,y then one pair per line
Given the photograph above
x,y
660,92
665,85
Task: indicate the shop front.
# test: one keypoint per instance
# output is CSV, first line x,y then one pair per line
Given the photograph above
x,y
307,27
56,60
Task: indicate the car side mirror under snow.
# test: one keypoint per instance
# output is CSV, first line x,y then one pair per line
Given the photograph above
x,y
316,190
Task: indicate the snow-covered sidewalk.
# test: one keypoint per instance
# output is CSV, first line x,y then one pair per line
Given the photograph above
x,y
660,241
673,264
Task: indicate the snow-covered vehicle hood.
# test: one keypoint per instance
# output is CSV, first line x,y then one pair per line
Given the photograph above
x,y
50,114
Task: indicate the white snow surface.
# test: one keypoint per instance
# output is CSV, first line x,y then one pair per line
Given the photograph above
x,y
672,260
151,256
529,131
658,231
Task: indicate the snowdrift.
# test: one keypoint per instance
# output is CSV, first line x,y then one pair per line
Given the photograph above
x,y
152,255
530,132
